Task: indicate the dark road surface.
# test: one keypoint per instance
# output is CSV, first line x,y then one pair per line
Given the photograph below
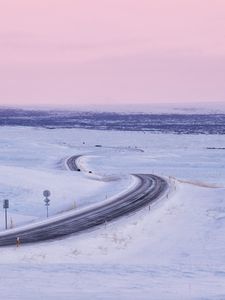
x,y
72,164
148,189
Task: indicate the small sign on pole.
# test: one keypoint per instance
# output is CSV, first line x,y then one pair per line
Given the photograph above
x,y
47,194
5,207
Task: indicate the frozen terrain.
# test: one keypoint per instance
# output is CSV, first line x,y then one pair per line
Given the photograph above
x,y
174,251
186,121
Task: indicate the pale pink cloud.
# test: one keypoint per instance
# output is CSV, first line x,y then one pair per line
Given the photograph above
x,y
111,51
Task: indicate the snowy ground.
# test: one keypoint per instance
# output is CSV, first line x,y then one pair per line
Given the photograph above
x,y
174,251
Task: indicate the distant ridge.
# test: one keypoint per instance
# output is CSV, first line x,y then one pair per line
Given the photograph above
x,y
152,122
166,108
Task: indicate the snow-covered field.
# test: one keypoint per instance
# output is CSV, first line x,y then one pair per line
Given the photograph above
x,y
174,251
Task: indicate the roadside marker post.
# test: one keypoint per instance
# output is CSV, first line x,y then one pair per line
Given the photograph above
x,y
47,194
5,207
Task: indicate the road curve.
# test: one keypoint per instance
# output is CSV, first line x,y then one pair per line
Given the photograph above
x,y
148,189
71,163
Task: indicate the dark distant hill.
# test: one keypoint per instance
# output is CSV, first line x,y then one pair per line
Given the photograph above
x,y
166,123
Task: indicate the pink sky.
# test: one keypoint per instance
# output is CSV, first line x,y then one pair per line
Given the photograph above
x,y
111,51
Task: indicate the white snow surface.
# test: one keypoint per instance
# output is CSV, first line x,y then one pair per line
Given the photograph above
x,y
174,251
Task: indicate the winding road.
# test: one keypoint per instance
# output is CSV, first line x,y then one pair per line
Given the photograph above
x,y
148,189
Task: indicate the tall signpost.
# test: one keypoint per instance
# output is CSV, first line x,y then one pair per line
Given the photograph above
x,y
5,207
47,194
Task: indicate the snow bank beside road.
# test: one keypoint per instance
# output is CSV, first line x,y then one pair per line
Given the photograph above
x,y
174,251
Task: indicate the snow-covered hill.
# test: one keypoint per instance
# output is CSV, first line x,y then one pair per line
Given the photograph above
x,y
174,251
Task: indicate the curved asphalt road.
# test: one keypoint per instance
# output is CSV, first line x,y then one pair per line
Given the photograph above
x,y
148,189
72,163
